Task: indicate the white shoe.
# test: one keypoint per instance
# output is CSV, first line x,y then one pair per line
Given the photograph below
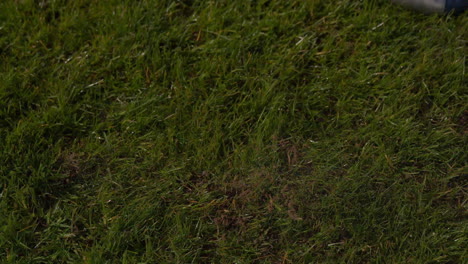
x,y
435,6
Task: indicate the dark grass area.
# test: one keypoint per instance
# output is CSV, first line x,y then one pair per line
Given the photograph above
x,y
231,132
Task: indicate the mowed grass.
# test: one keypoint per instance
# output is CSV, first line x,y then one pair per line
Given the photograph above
x,y
231,131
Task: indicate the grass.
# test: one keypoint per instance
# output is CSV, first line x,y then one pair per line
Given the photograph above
x,y
160,131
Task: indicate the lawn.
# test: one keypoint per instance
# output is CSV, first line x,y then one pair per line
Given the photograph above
x,y
232,131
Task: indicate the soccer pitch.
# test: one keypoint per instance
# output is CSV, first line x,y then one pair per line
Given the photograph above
x,y
232,131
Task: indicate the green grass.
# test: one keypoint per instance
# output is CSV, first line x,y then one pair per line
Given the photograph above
x,y
231,131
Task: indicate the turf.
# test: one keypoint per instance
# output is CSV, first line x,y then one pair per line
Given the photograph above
x,y
231,131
